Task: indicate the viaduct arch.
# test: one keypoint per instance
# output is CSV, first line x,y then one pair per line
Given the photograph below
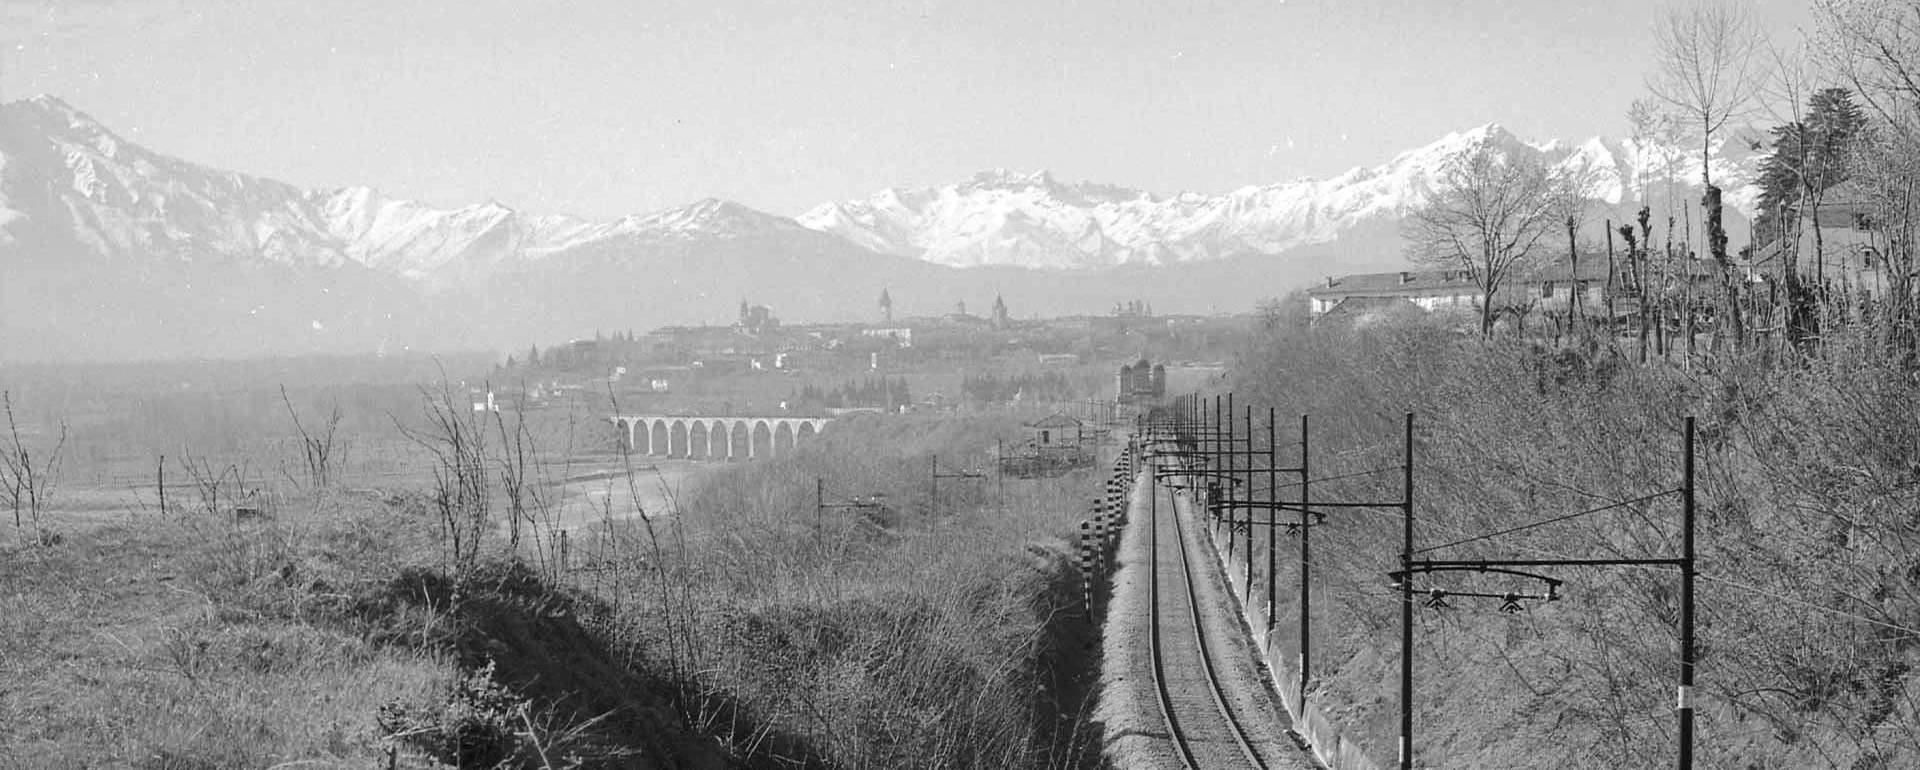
x,y
715,438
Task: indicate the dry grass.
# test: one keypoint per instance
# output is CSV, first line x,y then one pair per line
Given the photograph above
x,y
308,637
172,643
1808,481
901,638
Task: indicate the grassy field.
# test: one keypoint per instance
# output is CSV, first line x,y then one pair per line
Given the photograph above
x,y
141,640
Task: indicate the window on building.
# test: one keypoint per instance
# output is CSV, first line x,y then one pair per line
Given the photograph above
x,y
1546,290
1862,221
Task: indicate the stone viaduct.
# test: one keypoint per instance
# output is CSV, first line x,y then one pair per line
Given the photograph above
x,y
715,438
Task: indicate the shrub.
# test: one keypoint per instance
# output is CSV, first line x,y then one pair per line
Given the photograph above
x,y
477,725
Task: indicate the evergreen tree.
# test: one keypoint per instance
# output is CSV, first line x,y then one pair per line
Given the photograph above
x,y
1808,158
1780,180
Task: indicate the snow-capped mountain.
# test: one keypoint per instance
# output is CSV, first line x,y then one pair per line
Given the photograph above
x,y
111,250
1033,220
108,250
66,173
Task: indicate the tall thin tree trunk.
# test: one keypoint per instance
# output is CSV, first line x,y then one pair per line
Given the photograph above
x,y
1611,318
1802,323
1729,280
1706,152
1819,248
1576,289
1662,315
1647,330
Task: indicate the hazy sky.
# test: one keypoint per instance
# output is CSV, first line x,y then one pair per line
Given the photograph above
x,y
601,108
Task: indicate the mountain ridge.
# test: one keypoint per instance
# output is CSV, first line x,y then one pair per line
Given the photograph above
x,y
121,199
1033,220
113,250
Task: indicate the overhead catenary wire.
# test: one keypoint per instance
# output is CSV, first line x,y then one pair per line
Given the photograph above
x,y
1457,530
1554,520
1319,479
1834,611
1804,603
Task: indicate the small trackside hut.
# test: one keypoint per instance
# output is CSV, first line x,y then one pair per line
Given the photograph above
x,y
1056,444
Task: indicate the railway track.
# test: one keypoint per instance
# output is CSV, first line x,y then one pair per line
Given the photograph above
x,y
1216,715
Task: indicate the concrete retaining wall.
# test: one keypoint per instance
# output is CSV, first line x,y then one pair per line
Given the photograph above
x,y
1330,743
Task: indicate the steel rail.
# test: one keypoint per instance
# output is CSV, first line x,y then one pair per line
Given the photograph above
x,y
1214,688
1164,693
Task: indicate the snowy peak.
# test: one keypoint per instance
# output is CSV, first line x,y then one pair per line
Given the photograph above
x,y
710,217
62,123
1001,217
65,177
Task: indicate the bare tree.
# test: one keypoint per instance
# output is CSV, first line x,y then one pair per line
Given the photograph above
x,y
457,440
1792,156
1709,68
1874,47
1659,131
27,479
1488,217
317,447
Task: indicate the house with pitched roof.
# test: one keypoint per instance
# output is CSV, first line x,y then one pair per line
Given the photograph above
x,y
1552,288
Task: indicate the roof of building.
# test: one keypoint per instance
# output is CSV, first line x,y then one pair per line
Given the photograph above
x,y
1404,282
1355,309
1414,283
1055,420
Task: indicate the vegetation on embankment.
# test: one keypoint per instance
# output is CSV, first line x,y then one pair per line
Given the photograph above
x,y
1809,583
344,630
907,635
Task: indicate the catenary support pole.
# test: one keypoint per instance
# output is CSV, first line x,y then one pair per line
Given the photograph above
x,y
1686,604
1306,562
1213,437
1248,590
1273,495
1227,464
1406,603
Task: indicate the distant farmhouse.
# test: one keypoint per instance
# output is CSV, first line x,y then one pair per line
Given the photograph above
x,y
1551,289
1849,258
